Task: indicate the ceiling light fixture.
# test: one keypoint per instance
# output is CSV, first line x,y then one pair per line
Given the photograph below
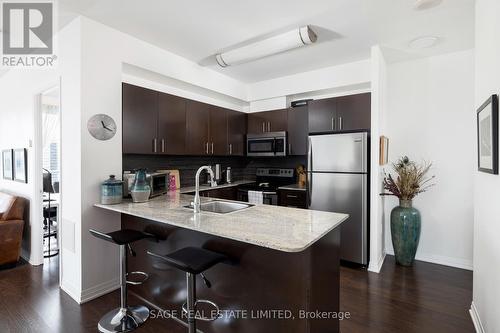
x,y
273,45
426,4
424,42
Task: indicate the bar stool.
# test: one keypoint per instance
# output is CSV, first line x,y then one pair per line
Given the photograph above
x,y
125,318
193,261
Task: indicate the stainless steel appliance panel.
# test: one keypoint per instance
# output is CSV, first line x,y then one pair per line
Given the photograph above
x,y
338,153
344,193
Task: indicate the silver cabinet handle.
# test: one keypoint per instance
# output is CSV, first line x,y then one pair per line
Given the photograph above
x,y
289,149
333,124
206,148
269,126
263,127
292,196
341,123
163,146
155,145
212,148
230,149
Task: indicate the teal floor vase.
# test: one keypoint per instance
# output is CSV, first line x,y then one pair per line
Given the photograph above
x,y
405,230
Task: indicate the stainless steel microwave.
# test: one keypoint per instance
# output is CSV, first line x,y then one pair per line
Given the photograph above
x,y
267,144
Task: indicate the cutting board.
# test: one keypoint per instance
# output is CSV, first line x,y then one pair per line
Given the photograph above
x,y
177,176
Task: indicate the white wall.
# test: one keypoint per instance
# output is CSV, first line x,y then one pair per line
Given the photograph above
x,y
378,126
485,306
430,117
335,77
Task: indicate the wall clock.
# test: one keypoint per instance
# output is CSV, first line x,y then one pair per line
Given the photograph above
x,y
102,127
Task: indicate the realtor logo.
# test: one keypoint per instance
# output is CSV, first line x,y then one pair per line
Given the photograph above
x,y
27,34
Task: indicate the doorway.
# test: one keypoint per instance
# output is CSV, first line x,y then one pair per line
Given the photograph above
x,y
50,118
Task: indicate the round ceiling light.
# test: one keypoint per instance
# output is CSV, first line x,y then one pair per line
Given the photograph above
x,y
426,4
424,42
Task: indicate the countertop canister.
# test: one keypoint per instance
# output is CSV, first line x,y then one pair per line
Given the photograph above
x,y
111,191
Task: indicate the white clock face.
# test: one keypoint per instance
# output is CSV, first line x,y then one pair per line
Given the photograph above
x,y
101,127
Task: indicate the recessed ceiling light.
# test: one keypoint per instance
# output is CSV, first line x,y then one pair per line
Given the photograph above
x,y
424,42
426,4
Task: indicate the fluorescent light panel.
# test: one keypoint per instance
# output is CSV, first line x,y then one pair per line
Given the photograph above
x,y
273,45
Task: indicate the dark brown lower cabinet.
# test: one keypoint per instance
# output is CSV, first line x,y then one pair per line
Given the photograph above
x,y
227,193
291,198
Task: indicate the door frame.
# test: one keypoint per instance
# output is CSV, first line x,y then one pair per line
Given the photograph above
x,y
38,255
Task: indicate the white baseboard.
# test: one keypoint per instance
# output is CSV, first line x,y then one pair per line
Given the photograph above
x,y
476,319
99,290
91,293
441,260
375,267
71,291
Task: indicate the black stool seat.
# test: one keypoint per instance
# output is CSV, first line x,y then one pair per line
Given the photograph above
x,y
192,259
121,237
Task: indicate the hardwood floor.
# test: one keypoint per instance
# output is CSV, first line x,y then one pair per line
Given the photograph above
x,y
424,298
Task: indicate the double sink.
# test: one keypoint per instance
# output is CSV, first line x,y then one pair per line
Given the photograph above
x,y
221,207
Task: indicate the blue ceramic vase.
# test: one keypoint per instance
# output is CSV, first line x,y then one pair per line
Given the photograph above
x,y
405,230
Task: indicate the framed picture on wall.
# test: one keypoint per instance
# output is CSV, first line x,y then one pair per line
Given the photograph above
x,y
20,165
487,136
7,164
384,150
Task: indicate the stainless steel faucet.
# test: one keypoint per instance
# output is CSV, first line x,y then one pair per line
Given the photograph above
x,y
197,202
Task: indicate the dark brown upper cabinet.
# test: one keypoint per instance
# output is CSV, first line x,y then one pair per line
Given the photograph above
x,y
140,117
322,115
268,121
171,124
346,113
197,123
354,112
297,130
218,131
236,130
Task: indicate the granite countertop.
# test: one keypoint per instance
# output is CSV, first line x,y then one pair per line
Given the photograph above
x,y
203,188
279,228
293,187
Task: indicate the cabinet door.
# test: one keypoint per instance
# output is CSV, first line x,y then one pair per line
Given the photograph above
x,y
297,130
171,124
218,131
140,117
256,123
197,123
276,121
236,130
322,115
354,112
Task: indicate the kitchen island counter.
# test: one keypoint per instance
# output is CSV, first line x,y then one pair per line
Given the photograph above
x,y
278,228
283,273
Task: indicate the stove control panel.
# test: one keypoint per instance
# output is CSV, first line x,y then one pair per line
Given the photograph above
x,y
284,173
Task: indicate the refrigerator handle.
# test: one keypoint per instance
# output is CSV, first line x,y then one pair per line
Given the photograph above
x,y
309,173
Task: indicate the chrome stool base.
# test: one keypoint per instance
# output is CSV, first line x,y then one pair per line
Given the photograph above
x,y
123,319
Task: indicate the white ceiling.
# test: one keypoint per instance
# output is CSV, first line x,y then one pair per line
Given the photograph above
x,y
197,29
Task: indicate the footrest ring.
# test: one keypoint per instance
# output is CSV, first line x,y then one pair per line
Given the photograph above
x,y
144,276
202,301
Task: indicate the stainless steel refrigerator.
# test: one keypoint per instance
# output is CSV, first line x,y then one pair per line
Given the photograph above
x,y
338,182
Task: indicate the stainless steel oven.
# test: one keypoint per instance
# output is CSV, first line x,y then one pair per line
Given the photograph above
x,y
267,144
